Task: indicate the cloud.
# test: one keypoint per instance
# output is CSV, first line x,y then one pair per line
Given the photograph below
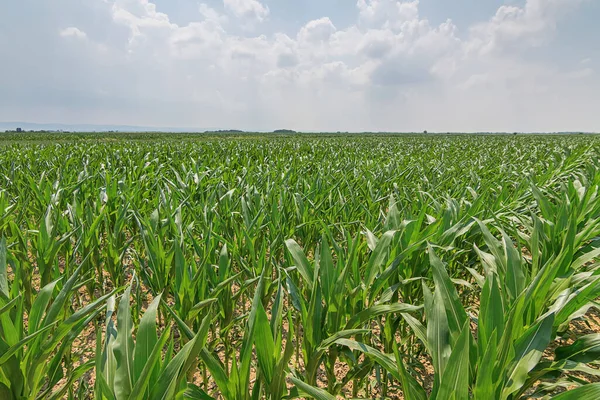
x,y
390,69
387,13
319,30
73,32
520,27
210,14
247,9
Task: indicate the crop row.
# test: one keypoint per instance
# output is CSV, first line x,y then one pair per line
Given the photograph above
x,y
415,268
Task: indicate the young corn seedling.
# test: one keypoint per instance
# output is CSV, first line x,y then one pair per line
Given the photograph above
x,y
32,361
325,313
135,369
515,326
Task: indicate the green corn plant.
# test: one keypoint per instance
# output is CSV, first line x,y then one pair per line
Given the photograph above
x,y
197,285
507,360
32,360
47,242
156,269
5,210
233,380
271,353
135,369
116,223
326,314
86,217
207,285
186,279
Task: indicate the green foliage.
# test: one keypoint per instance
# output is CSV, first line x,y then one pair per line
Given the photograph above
x,y
440,267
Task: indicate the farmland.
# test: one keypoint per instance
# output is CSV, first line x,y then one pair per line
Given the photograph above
x,y
255,267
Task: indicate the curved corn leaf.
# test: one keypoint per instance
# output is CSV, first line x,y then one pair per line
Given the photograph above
x,y
311,391
586,392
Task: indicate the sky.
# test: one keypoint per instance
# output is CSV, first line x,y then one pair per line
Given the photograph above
x,y
311,65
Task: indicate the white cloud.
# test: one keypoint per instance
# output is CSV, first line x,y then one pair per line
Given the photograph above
x,y
248,9
387,13
319,30
530,25
210,14
73,32
392,69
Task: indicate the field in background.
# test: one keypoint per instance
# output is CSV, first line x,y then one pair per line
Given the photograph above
x,y
249,266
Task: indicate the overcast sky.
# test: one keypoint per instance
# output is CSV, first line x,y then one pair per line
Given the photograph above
x,y
440,65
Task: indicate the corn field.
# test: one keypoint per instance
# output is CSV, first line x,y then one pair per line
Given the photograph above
x,y
243,268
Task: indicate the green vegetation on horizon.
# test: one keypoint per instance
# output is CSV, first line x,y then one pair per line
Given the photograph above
x,y
253,267
60,136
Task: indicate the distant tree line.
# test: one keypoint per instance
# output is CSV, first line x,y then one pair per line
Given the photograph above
x,y
21,130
